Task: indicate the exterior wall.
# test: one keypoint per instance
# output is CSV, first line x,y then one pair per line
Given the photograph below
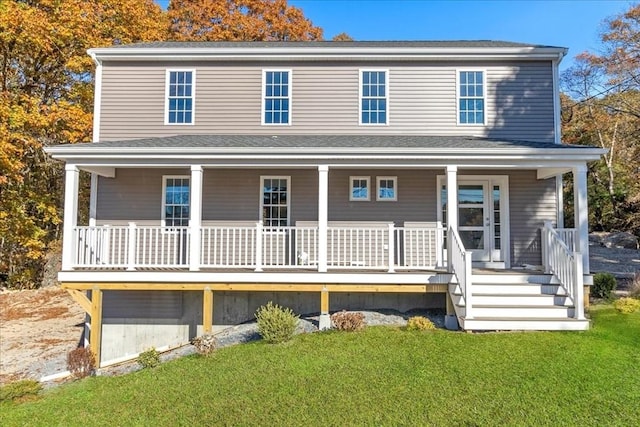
x,y
134,321
422,99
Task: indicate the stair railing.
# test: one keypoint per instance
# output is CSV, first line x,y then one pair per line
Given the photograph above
x,y
565,265
460,266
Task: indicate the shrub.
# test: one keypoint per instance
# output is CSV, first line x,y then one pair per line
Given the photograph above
x,y
149,358
276,324
80,362
204,344
420,323
627,305
603,285
348,321
19,389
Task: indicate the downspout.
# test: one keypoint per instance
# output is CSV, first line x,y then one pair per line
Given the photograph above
x,y
557,130
97,101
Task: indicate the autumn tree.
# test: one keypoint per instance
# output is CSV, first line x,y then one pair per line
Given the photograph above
x,y
239,20
46,97
601,107
342,37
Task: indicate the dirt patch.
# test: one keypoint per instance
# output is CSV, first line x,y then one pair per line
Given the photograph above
x,y
37,330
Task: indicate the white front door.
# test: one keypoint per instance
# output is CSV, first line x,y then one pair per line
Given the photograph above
x,y
482,217
474,219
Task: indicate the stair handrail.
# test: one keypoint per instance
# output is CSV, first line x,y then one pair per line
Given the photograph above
x,y
460,266
565,265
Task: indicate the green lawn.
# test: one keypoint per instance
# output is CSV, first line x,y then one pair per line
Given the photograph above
x,y
382,376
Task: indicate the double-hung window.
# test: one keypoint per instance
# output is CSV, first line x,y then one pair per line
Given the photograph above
x,y
276,108
180,90
359,188
373,97
175,202
275,201
387,188
471,98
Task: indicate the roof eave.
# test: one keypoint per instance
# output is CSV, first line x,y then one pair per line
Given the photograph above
x,y
318,53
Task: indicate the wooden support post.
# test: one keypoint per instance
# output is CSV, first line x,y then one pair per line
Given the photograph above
x,y
81,298
450,320
324,322
207,311
96,323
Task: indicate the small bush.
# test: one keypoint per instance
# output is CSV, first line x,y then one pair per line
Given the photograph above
x,y
149,358
603,285
204,344
80,362
19,389
634,289
627,305
276,324
420,323
348,321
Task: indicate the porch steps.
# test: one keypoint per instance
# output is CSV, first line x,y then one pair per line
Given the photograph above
x,y
516,302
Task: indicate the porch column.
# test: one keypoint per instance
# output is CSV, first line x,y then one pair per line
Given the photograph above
x,y
323,216
71,179
559,201
581,216
195,221
452,205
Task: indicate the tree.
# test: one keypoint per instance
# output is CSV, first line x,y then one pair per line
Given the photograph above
x,y
239,20
46,95
601,107
342,37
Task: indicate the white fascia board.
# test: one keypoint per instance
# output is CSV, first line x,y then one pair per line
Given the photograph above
x,y
325,53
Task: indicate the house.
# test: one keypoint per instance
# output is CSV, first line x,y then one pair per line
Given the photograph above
x,y
316,175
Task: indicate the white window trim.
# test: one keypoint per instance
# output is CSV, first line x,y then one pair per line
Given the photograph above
x,y
166,96
264,94
386,92
361,199
505,231
395,188
288,179
164,196
484,95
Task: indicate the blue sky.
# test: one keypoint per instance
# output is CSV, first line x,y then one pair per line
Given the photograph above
x,y
569,23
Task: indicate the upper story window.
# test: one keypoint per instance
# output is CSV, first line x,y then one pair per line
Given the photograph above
x,y
175,202
277,97
180,97
373,97
471,90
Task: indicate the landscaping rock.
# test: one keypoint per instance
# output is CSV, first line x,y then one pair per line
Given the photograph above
x,y
621,240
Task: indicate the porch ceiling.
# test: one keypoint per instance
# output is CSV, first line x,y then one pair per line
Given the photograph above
x,y
336,150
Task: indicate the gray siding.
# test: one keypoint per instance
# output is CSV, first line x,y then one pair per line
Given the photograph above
x,y
533,201
422,100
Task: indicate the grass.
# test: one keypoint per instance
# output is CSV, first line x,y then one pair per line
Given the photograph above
x,y
381,376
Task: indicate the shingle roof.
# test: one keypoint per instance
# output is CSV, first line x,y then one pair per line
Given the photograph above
x,y
340,44
327,142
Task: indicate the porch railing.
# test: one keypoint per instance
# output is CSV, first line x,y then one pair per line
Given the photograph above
x,y
376,247
461,268
565,264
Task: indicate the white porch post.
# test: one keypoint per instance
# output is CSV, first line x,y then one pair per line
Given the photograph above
x,y
71,180
452,206
323,216
560,201
581,214
195,221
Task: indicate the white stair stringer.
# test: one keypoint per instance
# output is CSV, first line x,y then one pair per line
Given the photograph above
x,y
516,302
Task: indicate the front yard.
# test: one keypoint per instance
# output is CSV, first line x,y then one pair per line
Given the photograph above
x,y
382,376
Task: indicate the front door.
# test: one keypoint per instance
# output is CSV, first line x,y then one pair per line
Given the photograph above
x,y
474,222
482,213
